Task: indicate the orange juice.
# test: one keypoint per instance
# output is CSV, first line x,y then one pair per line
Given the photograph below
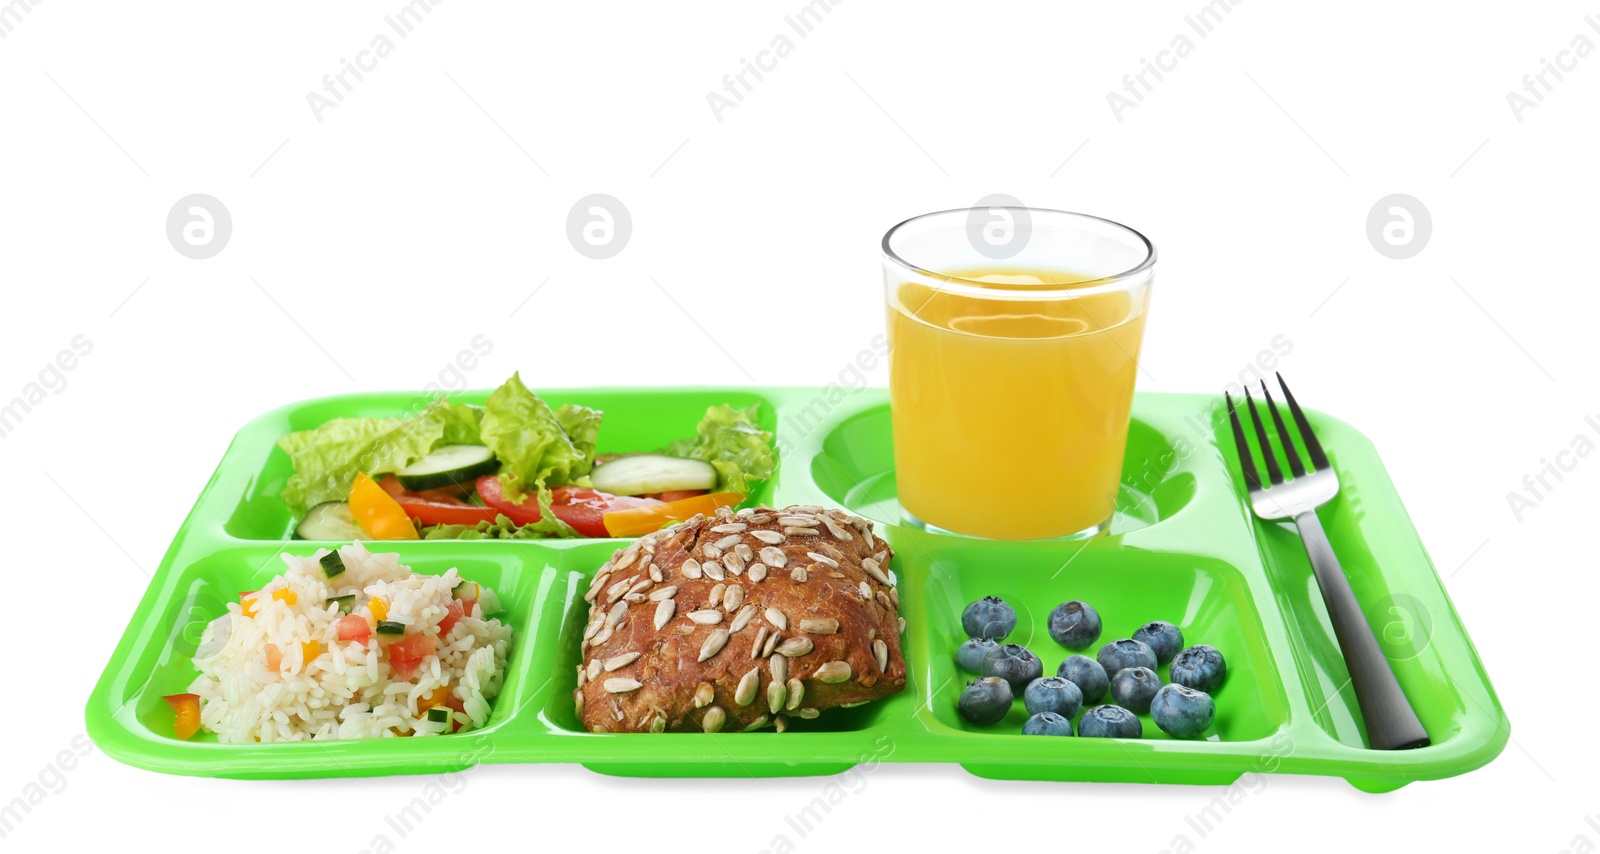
x,y
1010,410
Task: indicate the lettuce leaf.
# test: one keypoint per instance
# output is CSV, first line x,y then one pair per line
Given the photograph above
x,y
582,426
500,529
461,422
327,458
733,443
532,443
549,525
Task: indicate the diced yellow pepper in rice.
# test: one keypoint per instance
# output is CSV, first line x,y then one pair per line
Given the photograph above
x,y
285,595
379,608
436,697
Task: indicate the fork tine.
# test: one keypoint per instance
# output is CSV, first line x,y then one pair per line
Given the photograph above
x,y
1313,447
1246,461
1267,456
1283,433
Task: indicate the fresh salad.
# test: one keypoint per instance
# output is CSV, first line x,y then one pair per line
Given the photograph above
x,y
512,468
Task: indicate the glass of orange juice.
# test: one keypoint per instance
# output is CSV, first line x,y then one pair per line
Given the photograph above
x,y
1014,336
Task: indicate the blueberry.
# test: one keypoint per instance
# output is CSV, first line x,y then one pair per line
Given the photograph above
x,y
1133,688
1161,636
969,656
1087,674
1110,722
1199,667
1075,625
989,617
1053,694
985,701
1047,723
1118,654
1013,663
1182,712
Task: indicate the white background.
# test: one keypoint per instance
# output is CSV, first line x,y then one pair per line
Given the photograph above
x,y
370,246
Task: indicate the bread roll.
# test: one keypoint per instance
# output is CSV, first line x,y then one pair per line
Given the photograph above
x,y
740,622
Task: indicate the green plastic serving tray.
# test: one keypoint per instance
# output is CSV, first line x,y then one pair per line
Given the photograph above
x,y
1183,548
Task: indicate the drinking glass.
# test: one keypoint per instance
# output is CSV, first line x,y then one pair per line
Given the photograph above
x,y
1014,336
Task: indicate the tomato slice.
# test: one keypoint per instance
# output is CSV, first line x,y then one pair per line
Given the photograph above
x,y
493,494
186,707
354,627
583,509
436,506
453,614
638,521
405,656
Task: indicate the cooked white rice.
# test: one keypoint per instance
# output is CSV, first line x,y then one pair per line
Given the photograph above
x,y
348,690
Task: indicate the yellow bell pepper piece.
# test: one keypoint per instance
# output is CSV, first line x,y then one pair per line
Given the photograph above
x,y
309,651
378,514
436,697
378,607
285,595
643,520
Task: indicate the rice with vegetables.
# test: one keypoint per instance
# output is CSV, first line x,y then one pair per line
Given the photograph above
x,y
351,644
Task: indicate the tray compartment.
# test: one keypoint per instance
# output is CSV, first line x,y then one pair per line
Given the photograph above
x,y
161,663
854,468
1405,602
247,491
560,712
1205,598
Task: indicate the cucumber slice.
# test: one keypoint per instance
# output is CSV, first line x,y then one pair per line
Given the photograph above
x,y
646,473
330,520
448,465
332,565
391,627
439,715
345,604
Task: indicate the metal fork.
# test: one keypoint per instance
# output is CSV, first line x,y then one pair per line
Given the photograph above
x,y
1391,722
